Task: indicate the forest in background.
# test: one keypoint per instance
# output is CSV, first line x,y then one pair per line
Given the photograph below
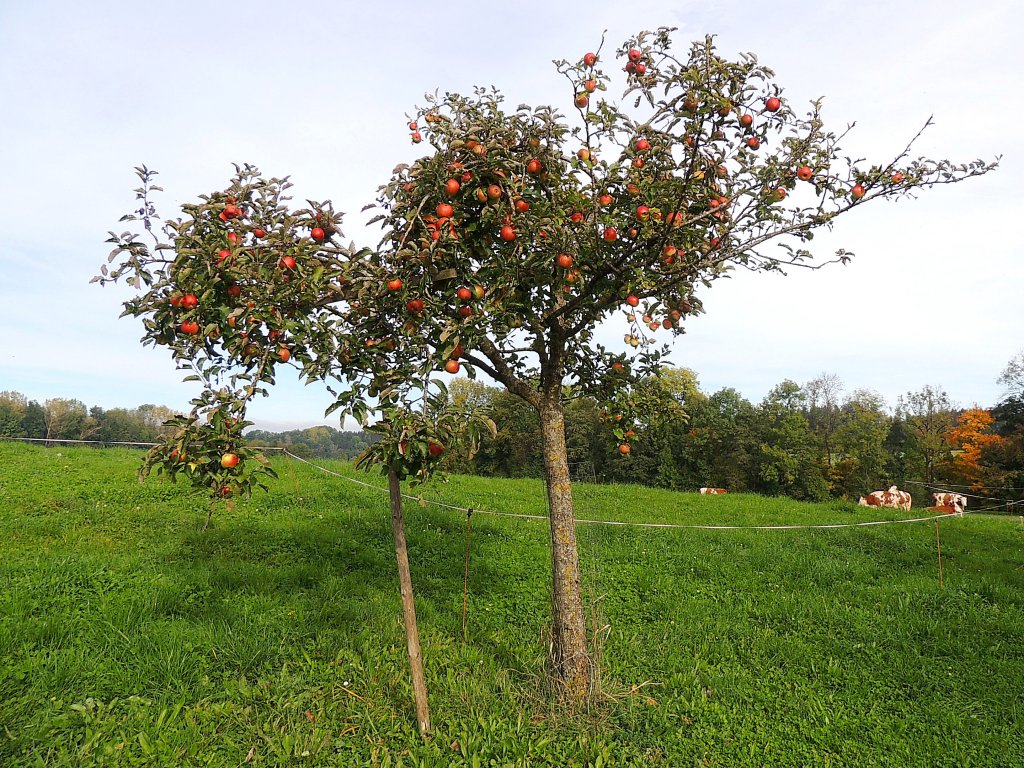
x,y
810,441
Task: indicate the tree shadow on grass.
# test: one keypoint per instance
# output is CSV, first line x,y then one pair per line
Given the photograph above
x,y
339,575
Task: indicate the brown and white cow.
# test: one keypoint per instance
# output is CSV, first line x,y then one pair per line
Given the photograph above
x,y
893,497
950,503
712,491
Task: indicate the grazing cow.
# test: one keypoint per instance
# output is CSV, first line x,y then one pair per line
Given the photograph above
x,y
712,491
894,498
950,503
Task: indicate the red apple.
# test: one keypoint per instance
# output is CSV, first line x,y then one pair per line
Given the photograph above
x,y
564,260
452,187
772,104
317,233
804,173
590,59
857,192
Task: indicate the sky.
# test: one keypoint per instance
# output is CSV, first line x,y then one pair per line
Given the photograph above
x,y
320,91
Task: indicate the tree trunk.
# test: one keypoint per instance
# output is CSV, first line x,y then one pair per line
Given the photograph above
x,y
569,656
412,633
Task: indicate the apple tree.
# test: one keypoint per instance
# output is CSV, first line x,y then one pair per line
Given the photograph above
x,y
525,229
241,284
510,246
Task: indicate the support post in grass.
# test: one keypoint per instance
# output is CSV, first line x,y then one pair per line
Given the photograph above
x,y
292,475
938,546
412,634
465,579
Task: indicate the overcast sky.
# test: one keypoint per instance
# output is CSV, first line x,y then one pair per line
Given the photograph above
x,y
320,91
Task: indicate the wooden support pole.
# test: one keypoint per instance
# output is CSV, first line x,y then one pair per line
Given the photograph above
x,y
938,546
465,580
412,634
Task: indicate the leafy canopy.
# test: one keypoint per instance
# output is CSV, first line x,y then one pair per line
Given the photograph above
x,y
503,249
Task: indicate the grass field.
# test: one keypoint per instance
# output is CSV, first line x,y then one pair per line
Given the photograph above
x,y
128,636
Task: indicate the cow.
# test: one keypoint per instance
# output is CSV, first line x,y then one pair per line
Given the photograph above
x,y
893,497
712,491
950,503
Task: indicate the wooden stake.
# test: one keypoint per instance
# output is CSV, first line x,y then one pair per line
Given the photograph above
x,y
938,546
465,580
291,474
412,634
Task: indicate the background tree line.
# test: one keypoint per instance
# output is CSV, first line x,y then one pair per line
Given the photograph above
x,y
69,419
812,441
808,441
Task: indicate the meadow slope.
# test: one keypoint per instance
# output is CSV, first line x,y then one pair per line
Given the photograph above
x,y
129,636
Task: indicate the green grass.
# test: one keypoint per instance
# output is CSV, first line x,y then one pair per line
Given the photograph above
x,y
128,636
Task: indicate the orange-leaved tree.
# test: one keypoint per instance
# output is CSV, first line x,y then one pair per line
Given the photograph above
x,y
971,437
517,234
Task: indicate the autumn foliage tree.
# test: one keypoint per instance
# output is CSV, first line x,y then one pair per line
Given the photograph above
x,y
972,438
505,248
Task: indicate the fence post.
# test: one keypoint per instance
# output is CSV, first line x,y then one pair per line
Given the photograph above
x,y
465,581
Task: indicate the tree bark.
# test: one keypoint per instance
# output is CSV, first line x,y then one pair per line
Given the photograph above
x,y
569,656
412,634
